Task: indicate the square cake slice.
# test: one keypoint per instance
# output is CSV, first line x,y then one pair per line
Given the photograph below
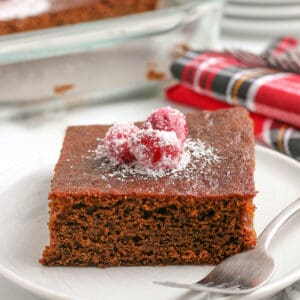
x,y
103,214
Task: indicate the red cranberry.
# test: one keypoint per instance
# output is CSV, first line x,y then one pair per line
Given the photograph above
x,y
116,142
156,149
168,119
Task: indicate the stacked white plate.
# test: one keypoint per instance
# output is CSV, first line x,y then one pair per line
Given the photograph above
x,y
262,17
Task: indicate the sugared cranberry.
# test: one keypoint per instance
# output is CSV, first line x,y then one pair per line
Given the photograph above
x,y
168,119
116,142
156,149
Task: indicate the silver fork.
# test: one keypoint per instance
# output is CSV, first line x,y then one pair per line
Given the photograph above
x,y
244,272
288,61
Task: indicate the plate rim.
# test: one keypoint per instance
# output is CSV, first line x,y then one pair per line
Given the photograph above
x,y
37,289
258,27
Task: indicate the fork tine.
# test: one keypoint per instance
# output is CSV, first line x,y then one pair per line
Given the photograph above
x,y
217,289
225,285
228,290
173,284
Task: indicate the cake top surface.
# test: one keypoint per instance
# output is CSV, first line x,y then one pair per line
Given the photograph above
x,y
218,162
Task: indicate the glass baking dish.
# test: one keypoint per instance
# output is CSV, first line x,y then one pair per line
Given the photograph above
x,y
91,61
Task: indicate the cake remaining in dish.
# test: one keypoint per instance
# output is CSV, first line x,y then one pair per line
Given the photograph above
x,y
24,15
103,214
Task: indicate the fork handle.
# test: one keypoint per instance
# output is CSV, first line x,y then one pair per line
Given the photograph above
x,y
269,232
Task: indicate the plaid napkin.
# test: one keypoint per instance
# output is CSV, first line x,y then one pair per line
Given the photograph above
x,y
284,53
272,96
282,45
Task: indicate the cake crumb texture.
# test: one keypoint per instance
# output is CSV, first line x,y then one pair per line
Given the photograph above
x,y
148,231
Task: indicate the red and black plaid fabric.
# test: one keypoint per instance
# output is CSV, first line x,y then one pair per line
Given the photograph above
x,y
284,54
262,90
282,45
272,96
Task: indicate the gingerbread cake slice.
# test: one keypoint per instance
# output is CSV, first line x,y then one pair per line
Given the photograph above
x,y
104,214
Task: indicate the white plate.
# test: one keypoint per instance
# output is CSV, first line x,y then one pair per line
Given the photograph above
x,y
262,18
266,13
261,28
23,234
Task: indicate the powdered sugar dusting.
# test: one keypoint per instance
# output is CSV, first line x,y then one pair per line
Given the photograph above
x,y
196,157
